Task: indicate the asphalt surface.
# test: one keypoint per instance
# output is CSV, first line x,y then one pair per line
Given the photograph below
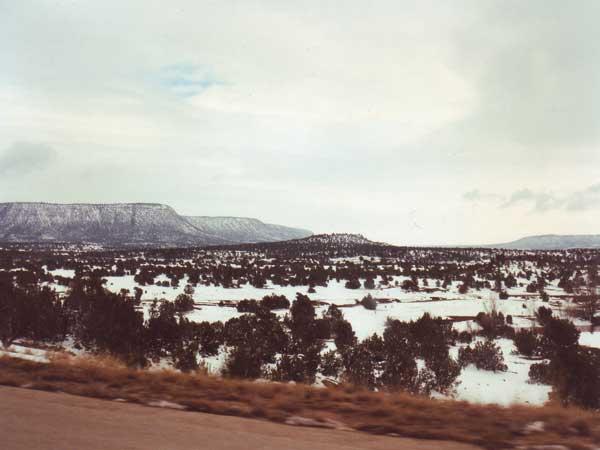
x,y
37,420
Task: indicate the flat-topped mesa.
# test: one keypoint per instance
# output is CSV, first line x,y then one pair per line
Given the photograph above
x,y
123,223
147,224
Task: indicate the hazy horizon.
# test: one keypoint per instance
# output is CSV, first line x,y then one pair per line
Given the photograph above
x,y
426,123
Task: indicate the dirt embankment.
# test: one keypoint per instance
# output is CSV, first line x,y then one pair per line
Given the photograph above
x,y
46,421
340,408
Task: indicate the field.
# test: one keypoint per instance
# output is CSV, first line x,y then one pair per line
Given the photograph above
x,y
455,285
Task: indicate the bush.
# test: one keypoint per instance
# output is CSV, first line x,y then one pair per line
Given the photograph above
x,y
576,377
344,336
369,303
445,370
527,342
492,323
299,365
243,362
273,301
362,363
354,283
410,285
369,283
543,315
247,306
540,373
465,337
559,336
485,356
331,364
184,303
322,329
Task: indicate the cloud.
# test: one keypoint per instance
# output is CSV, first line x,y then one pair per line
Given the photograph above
x,y
536,66
542,201
24,157
585,199
476,195
186,80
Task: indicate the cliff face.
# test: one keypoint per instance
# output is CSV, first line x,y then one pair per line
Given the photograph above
x,y
128,223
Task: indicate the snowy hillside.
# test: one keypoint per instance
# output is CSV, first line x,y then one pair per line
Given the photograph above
x,y
129,224
244,229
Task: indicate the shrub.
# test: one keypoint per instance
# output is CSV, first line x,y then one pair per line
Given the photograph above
x,y
247,306
302,320
343,335
275,302
559,336
184,303
362,362
370,283
465,337
410,285
527,342
209,336
298,367
322,328
543,315
540,373
243,362
575,377
485,356
445,370
492,323
353,283
369,303
331,364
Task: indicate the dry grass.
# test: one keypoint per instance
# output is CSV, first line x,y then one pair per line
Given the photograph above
x,y
405,415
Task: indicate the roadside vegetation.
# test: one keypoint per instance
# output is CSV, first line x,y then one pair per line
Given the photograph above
x,y
343,407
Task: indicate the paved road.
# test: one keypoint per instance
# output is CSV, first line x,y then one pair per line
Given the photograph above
x,y
36,420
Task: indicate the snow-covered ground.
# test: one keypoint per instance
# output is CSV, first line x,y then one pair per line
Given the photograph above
x,y
590,339
475,385
28,353
502,388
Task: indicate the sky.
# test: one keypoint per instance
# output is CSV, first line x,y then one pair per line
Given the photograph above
x,y
411,122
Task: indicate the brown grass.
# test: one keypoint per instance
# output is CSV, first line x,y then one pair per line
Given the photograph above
x,y
400,414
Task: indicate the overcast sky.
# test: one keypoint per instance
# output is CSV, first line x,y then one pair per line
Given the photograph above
x,y
443,122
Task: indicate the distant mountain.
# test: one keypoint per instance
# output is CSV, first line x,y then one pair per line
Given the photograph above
x,y
245,230
144,224
552,242
338,239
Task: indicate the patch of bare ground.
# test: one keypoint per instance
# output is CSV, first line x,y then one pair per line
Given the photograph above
x,y
343,407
